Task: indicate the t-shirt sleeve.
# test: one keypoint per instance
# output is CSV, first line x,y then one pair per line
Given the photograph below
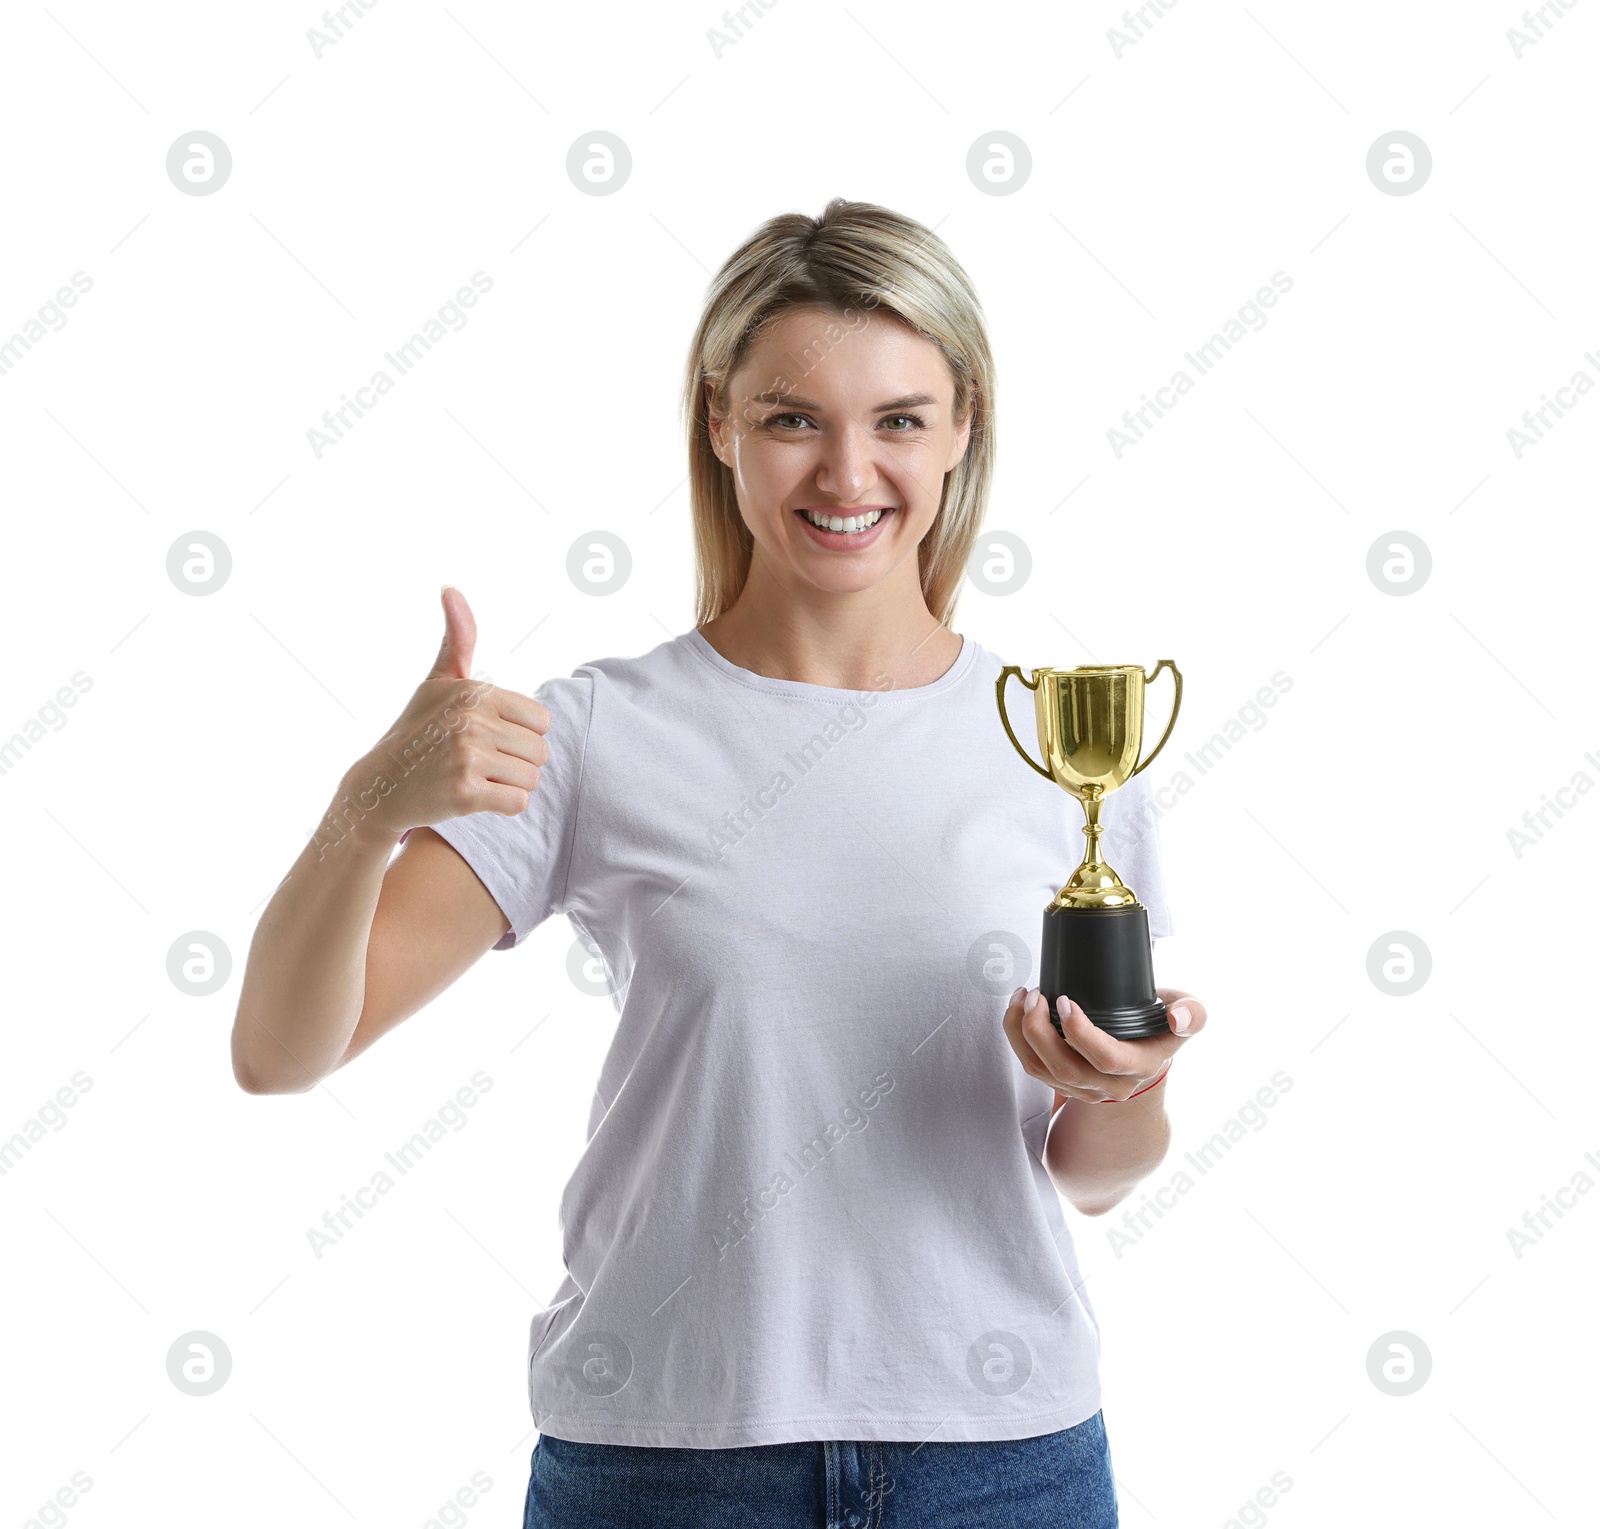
x,y
1131,845
526,861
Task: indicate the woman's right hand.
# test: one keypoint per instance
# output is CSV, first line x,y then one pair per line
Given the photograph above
x,y
460,746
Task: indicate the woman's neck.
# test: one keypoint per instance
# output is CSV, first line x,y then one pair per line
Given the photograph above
x,y
866,652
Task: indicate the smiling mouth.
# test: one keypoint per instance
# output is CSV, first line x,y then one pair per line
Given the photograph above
x,y
848,525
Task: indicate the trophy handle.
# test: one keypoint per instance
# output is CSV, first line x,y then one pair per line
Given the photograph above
x,y
1000,695
1177,701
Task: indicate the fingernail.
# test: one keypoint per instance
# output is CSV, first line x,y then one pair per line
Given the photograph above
x,y
1015,996
1032,999
1064,1006
1184,1019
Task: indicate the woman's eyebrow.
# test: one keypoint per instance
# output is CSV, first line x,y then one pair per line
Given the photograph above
x,y
910,400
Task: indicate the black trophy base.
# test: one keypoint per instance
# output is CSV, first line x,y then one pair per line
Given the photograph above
x,y
1100,958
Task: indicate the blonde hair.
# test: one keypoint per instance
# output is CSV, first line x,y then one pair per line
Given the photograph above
x,y
856,257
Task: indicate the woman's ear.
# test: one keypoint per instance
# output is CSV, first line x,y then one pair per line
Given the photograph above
x,y
963,433
714,422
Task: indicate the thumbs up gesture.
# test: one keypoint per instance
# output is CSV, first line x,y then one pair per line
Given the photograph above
x,y
460,746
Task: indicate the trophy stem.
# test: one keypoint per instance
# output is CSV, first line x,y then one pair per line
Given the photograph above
x,y
1091,831
1094,884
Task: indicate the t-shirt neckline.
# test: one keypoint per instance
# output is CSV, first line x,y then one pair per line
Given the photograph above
x,y
695,640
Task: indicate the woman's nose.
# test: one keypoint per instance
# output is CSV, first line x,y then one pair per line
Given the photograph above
x,y
847,469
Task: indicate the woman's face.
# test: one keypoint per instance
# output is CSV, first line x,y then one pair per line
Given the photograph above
x,y
847,417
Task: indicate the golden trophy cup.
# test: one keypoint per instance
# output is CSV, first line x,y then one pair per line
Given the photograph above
x,y
1096,940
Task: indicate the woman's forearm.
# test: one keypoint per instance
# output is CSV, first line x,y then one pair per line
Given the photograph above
x,y
1096,1153
305,978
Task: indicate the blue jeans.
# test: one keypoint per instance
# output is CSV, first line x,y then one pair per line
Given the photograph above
x,y
1055,1481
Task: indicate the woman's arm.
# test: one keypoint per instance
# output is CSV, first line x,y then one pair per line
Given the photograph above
x,y
350,945
1101,1141
1097,1153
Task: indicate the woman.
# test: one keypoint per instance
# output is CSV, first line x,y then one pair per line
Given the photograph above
x,y
817,1267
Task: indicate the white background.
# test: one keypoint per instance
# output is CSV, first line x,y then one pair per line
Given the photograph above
x,y
1167,185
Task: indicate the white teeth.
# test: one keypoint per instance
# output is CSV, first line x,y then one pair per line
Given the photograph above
x,y
844,523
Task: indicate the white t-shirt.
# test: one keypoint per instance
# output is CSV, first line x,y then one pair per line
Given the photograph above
x,y
812,1204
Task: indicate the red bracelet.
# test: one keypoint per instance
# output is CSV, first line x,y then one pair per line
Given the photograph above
x,y
1146,1089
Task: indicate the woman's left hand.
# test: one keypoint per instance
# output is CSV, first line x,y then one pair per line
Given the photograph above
x,y
1088,1063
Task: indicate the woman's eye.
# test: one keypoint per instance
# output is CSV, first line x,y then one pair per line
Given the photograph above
x,y
911,422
